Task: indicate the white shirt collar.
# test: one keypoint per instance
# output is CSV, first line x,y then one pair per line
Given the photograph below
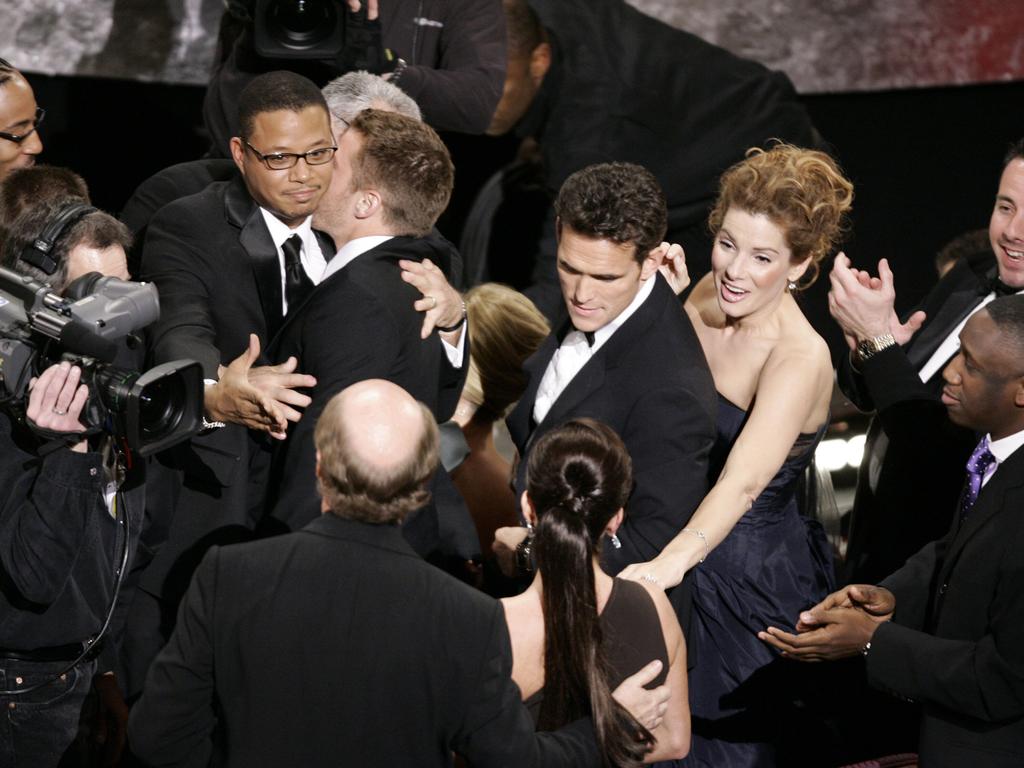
x,y
350,250
1005,446
280,232
602,334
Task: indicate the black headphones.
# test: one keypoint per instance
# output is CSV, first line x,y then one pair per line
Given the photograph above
x,y
38,252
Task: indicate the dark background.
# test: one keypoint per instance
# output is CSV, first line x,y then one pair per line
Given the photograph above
x,y
925,162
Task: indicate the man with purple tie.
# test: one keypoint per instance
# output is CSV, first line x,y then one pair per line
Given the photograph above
x,y
947,629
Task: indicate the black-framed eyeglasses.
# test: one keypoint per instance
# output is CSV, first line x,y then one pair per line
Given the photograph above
x,y
282,161
18,138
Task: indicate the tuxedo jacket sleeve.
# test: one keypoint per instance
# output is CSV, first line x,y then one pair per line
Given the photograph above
x,y
957,637
944,307
669,472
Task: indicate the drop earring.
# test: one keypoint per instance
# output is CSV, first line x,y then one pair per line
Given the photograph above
x,y
615,542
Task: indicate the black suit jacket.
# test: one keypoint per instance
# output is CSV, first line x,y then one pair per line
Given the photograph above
x,y
360,324
651,384
212,258
907,483
956,643
337,645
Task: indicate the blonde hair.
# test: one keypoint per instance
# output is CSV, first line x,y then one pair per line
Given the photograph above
x,y
505,328
801,190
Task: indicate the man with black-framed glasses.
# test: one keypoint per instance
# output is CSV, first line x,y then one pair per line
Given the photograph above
x,y
20,116
230,263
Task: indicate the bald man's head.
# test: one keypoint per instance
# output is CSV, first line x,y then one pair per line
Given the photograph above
x,y
376,449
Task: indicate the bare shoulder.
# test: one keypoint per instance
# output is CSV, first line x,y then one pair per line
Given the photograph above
x,y
801,348
666,615
702,305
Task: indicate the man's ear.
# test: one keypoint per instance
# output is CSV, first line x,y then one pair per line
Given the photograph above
x,y
1018,393
318,476
540,63
368,204
649,266
238,153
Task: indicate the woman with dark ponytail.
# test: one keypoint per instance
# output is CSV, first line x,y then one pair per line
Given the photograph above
x,y
577,632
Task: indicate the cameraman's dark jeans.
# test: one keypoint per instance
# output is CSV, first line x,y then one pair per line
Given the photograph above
x,y
39,727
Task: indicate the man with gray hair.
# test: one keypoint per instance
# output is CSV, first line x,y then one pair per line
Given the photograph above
x,y
325,614
353,92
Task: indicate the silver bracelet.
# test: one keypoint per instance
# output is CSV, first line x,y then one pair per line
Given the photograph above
x,y
702,537
866,648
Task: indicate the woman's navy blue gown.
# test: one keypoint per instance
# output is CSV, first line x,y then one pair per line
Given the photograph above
x,y
772,565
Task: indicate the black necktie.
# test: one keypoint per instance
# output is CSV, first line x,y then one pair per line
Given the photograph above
x,y
297,285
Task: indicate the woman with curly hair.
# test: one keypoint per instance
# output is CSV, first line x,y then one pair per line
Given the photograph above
x,y
752,560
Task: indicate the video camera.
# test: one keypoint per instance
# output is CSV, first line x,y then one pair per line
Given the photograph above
x,y
147,411
285,32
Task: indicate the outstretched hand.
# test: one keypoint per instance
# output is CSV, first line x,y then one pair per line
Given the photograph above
x,y
441,303
660,571
672,265
864,305
258,398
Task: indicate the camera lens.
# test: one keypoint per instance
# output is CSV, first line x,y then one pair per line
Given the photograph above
x,y
301,23
161,404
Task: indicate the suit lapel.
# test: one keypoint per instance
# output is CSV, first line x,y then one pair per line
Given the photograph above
x,y
520,421
591,376
243,212
954,309
990,503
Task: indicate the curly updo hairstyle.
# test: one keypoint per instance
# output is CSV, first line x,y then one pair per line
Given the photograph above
x,y
578,477
803,191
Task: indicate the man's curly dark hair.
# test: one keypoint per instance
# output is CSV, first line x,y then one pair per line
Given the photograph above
x,y
621,202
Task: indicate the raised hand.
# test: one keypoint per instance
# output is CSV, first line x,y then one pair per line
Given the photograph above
x,y
441,303
864,306
672,265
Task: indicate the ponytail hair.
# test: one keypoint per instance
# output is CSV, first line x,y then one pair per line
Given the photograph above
x,y
578,477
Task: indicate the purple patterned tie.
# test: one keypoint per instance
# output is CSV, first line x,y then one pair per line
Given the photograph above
x,y
977,465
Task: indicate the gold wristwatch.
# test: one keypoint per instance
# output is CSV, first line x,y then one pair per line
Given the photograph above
x,y
870,347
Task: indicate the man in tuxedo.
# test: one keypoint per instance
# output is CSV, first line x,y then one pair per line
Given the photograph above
x,y
904,480
947,629
229,262
338,644
627,356
393,178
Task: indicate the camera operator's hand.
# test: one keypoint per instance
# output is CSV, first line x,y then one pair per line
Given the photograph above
x,y
258,398
56,399
371,8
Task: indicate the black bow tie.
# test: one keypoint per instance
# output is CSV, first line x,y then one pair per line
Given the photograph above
x,y
997,286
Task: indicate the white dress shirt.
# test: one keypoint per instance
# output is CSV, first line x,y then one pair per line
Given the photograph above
x,y
351,250
311,256
951,344
1001,449
574,353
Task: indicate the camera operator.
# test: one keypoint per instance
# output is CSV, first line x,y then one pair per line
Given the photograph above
x,y
68,504
449,55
